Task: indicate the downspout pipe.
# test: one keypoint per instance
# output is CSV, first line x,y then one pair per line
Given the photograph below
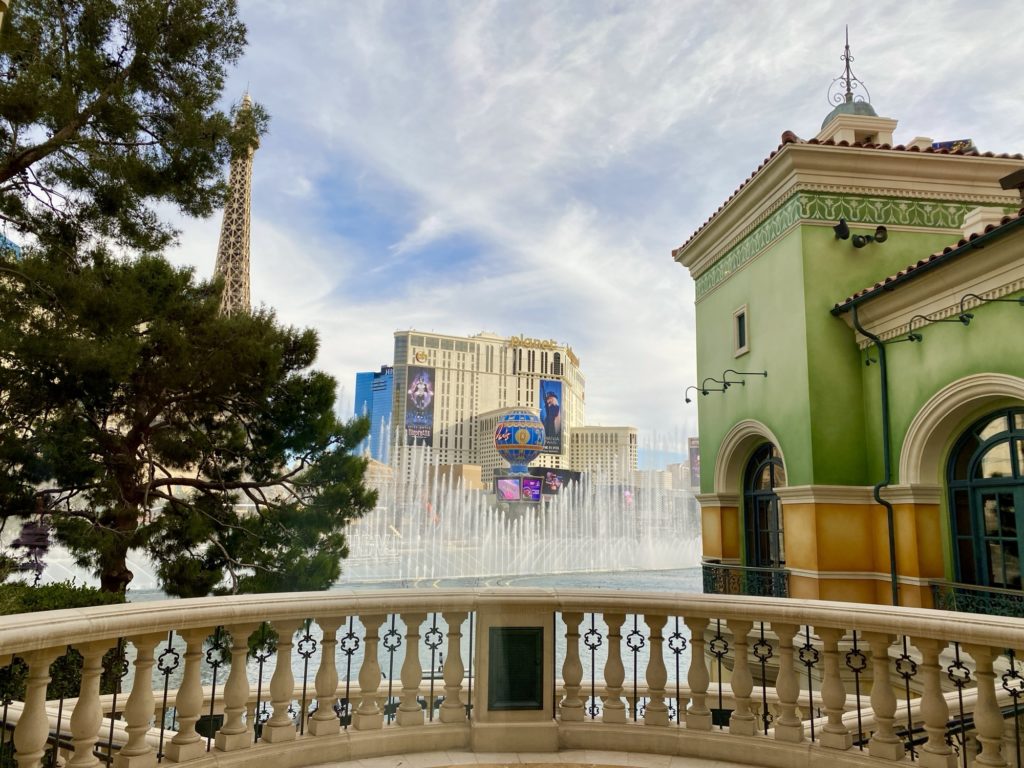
x,y
886,457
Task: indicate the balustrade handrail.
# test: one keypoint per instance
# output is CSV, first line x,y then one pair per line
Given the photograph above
x,y
22,633
787,661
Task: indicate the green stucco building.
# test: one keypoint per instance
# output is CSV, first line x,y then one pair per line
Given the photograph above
x,y
852,294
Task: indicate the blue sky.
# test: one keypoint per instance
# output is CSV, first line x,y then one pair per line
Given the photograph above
x,y
527,167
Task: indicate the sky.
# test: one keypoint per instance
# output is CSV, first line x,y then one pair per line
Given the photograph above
x,y
526,168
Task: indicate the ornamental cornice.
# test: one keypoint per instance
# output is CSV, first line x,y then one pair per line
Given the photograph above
x,y
913,494
826,494
817,207
900,326
993,272
716,500
847,189
801,168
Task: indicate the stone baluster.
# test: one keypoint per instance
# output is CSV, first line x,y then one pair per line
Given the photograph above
x,y
138,712
988,720
324,721
788,726
235,734
1011,747
742,720
884,741
571,706
833,693
34,725
614,671
934,710
369,715
280,727
187,744
88,715
452,709
656,712
698,716
409,710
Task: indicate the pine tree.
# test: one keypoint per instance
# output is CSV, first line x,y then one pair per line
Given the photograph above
x,y
133,415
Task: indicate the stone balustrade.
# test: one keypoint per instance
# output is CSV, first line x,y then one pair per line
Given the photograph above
x,y
300,679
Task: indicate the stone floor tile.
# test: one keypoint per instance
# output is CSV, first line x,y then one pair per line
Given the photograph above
x,y
461,757
428,759
602,757
648,760
578,756
385,761
535,758
497,758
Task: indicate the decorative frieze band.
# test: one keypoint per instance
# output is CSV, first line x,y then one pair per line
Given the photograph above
x,y
808,206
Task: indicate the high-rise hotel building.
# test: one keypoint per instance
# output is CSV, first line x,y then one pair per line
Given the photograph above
x,y
447,388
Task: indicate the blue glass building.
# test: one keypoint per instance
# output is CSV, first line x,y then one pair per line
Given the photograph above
x,y
374,392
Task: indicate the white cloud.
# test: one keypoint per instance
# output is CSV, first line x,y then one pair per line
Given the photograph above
x,y
574,145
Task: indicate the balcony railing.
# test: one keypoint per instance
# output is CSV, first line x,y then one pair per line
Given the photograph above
x,y
310,678
728,579
951,596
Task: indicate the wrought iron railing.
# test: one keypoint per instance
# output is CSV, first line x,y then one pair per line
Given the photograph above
x,y
968,598
725,579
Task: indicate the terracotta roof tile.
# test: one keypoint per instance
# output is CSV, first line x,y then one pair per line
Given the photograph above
x,y
788,137
938,255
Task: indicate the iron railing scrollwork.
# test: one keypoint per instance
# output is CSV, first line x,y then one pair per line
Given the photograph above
x,y
726,579
968,598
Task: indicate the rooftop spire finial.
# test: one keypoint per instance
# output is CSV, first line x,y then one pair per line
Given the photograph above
x,y
841,91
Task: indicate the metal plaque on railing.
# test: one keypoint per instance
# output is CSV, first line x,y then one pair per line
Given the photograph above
x,y
516,678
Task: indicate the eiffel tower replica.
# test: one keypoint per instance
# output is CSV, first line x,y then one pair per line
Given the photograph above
x,y
233,249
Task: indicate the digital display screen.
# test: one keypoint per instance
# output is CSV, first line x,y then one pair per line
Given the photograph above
x,y
507,488
531,488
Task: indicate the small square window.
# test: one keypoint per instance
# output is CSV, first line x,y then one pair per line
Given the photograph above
x,y
741,331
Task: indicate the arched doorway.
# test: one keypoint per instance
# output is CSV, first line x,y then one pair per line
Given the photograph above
x,y
765,543
985,475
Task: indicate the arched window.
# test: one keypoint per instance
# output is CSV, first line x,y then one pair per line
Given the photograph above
x,y
763,517
986,500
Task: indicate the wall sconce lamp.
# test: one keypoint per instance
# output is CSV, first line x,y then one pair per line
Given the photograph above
x,y
725,376
842,230
967,296
704,390
964,318
880,236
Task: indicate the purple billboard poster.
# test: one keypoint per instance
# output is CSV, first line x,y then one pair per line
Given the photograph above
x,y
551,414
419,406
693,445
531,488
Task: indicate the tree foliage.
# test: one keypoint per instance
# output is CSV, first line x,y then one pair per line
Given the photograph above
x,y
134,416
108,108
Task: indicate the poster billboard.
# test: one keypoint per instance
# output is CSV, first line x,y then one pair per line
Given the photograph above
x,y
531,488
419,406
693,447
551,414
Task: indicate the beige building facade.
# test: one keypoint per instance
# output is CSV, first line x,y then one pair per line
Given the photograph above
x,y
608,453
474,376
